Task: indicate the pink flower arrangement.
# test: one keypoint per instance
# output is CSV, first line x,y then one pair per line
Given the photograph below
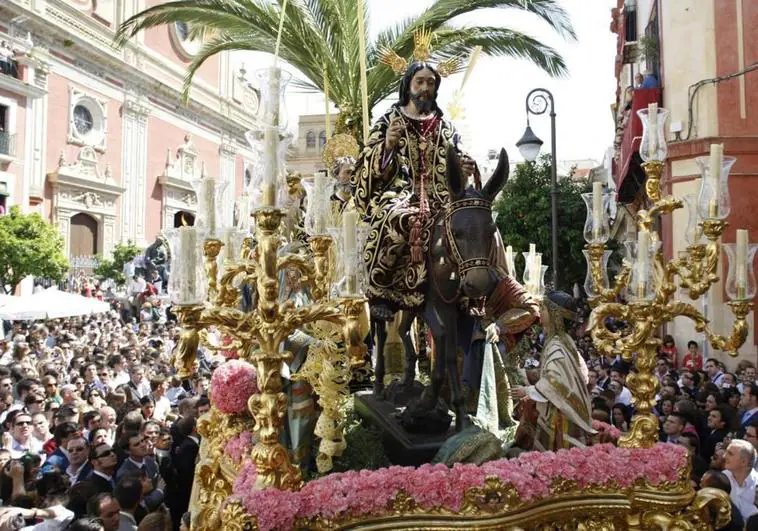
x,y
238,447
605,428
364,492
231,386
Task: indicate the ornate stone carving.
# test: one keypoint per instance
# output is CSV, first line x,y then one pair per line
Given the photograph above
x,y
89,199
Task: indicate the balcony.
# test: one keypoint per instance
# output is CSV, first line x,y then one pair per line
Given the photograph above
x,y
9,67
628,172
7,147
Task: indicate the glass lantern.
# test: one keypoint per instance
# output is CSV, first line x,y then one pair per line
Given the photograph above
x,y
230,252
713,201
318,203
187,283
601,233
531,284
348,267
642,282
740,279
590,287
273,82
653,144
210,204
694,232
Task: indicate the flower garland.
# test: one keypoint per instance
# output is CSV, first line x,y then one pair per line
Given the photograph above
x,y
533,475
606,429
239,446
232,384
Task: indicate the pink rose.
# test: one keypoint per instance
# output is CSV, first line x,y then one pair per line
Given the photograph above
x,y
232,384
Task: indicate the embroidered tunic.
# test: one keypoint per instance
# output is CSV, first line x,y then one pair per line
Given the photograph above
x,y
396,191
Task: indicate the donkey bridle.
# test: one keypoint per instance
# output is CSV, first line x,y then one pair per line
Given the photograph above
x,y
454,207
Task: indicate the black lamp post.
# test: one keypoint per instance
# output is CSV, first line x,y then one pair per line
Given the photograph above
x,y
537,102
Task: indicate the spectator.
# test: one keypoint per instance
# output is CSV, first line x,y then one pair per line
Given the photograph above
x,y
105,507
103,461
719,480
79,467
673,428
749,404
738,467
693,360
129,495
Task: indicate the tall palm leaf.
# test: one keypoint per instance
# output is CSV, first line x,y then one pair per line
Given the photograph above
x,y
320,39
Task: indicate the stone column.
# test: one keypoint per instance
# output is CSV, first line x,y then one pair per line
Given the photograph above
x,y
134,170
36,131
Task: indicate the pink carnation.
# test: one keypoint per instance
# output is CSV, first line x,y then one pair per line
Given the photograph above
x,y
238,447
603,427
360,493
232,384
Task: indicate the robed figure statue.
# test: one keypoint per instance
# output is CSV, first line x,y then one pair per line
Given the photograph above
x,y
400,186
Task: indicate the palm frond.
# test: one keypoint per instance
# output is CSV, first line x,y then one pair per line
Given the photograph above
x,y
497,41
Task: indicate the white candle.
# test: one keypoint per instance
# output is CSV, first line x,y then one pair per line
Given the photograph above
x,y
741,259
243,222
207,201
272,103
319,202
652,129
714,177
509,263
537,274
530,263
643,250
597,208
187,265
270,156
349,227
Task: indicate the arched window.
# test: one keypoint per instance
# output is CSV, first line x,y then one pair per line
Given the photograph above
x,y
310,140
321,139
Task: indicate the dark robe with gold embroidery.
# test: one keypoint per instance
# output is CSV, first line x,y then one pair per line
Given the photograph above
x,y
388,192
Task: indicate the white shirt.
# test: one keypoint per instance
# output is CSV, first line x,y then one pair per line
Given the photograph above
x,y
162,408
743,496
32,447
625,397
73,473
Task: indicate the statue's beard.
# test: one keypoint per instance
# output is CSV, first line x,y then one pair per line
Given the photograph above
x,y
343,188
425,105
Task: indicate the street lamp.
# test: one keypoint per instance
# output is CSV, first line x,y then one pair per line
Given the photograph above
x,y
537,102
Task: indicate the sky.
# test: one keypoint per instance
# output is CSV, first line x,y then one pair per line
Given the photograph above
x,y
494,96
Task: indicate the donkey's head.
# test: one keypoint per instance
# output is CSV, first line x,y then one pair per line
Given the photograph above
x,y
469,225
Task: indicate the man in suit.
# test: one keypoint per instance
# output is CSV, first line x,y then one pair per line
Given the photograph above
x,y
718,420
673,428
59,458
749,404
78,467
135,445
104,461
184,463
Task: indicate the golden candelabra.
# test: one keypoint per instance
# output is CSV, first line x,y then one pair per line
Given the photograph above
x,y
257,335
652,303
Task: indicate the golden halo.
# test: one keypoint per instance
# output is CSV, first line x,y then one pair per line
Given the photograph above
x,y
340,145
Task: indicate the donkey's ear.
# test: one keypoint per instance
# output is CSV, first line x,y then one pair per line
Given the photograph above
x,y
499,178
456,183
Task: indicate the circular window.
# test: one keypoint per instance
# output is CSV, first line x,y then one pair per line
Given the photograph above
x,y
182,31
180,36
83,121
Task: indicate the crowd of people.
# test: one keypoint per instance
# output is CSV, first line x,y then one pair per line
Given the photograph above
x,y
97,431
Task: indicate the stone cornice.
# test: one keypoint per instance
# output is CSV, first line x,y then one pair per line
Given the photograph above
x,y
132,64
16,86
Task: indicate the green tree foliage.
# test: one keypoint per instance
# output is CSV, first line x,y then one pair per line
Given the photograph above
x,y
524,217
321,36
112,268
29,245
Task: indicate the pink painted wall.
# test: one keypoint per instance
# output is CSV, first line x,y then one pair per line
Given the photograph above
x,y
16,167
57,133
163,136
159,40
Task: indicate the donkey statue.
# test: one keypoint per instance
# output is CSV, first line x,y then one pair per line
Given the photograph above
x,y
458,267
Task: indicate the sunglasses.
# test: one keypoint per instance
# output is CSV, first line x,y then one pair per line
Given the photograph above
x,y
104,454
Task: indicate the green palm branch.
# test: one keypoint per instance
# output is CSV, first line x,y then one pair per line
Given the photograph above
x,y
320,35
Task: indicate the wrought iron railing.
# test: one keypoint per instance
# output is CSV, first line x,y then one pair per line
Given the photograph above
x,y
7,144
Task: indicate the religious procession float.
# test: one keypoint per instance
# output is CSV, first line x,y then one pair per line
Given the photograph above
x,y
396,250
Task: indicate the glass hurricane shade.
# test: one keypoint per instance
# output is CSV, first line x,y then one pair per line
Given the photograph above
x,y
317,206
529,145
653,146
346,265
599,234
590,287
211,208
272,82
694,232
714,202
642,284
187,284
740,285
